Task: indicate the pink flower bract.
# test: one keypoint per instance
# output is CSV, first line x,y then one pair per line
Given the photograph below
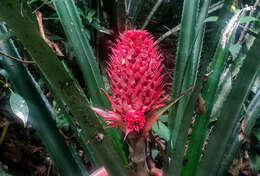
x,y
134,69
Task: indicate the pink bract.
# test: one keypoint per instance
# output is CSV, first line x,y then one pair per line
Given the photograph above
x,y
134,69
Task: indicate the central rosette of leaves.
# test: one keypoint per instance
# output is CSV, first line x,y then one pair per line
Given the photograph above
x,y
135,80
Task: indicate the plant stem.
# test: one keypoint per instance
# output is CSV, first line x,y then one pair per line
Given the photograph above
x,y
137,149
17,59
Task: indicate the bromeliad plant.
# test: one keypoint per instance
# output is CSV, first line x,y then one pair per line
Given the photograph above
x,y
216,85
135,71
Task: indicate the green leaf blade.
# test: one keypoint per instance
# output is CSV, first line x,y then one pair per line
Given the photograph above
x,y
230,112
62,84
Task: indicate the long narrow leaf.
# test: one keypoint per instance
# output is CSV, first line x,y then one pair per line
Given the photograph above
x,y
180,145
67,90
76,35
237,139
40,112
187,36
201,123
230,113
82,139
184,77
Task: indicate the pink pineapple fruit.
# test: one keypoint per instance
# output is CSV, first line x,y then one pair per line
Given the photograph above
x,y
134,69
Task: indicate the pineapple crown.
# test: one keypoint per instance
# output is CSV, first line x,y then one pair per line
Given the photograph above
x,y
134,69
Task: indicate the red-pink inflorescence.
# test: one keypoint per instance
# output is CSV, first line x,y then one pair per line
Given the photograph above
x,y
134,69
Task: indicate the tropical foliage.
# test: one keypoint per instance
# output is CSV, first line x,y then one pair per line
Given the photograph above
x,y
193,124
